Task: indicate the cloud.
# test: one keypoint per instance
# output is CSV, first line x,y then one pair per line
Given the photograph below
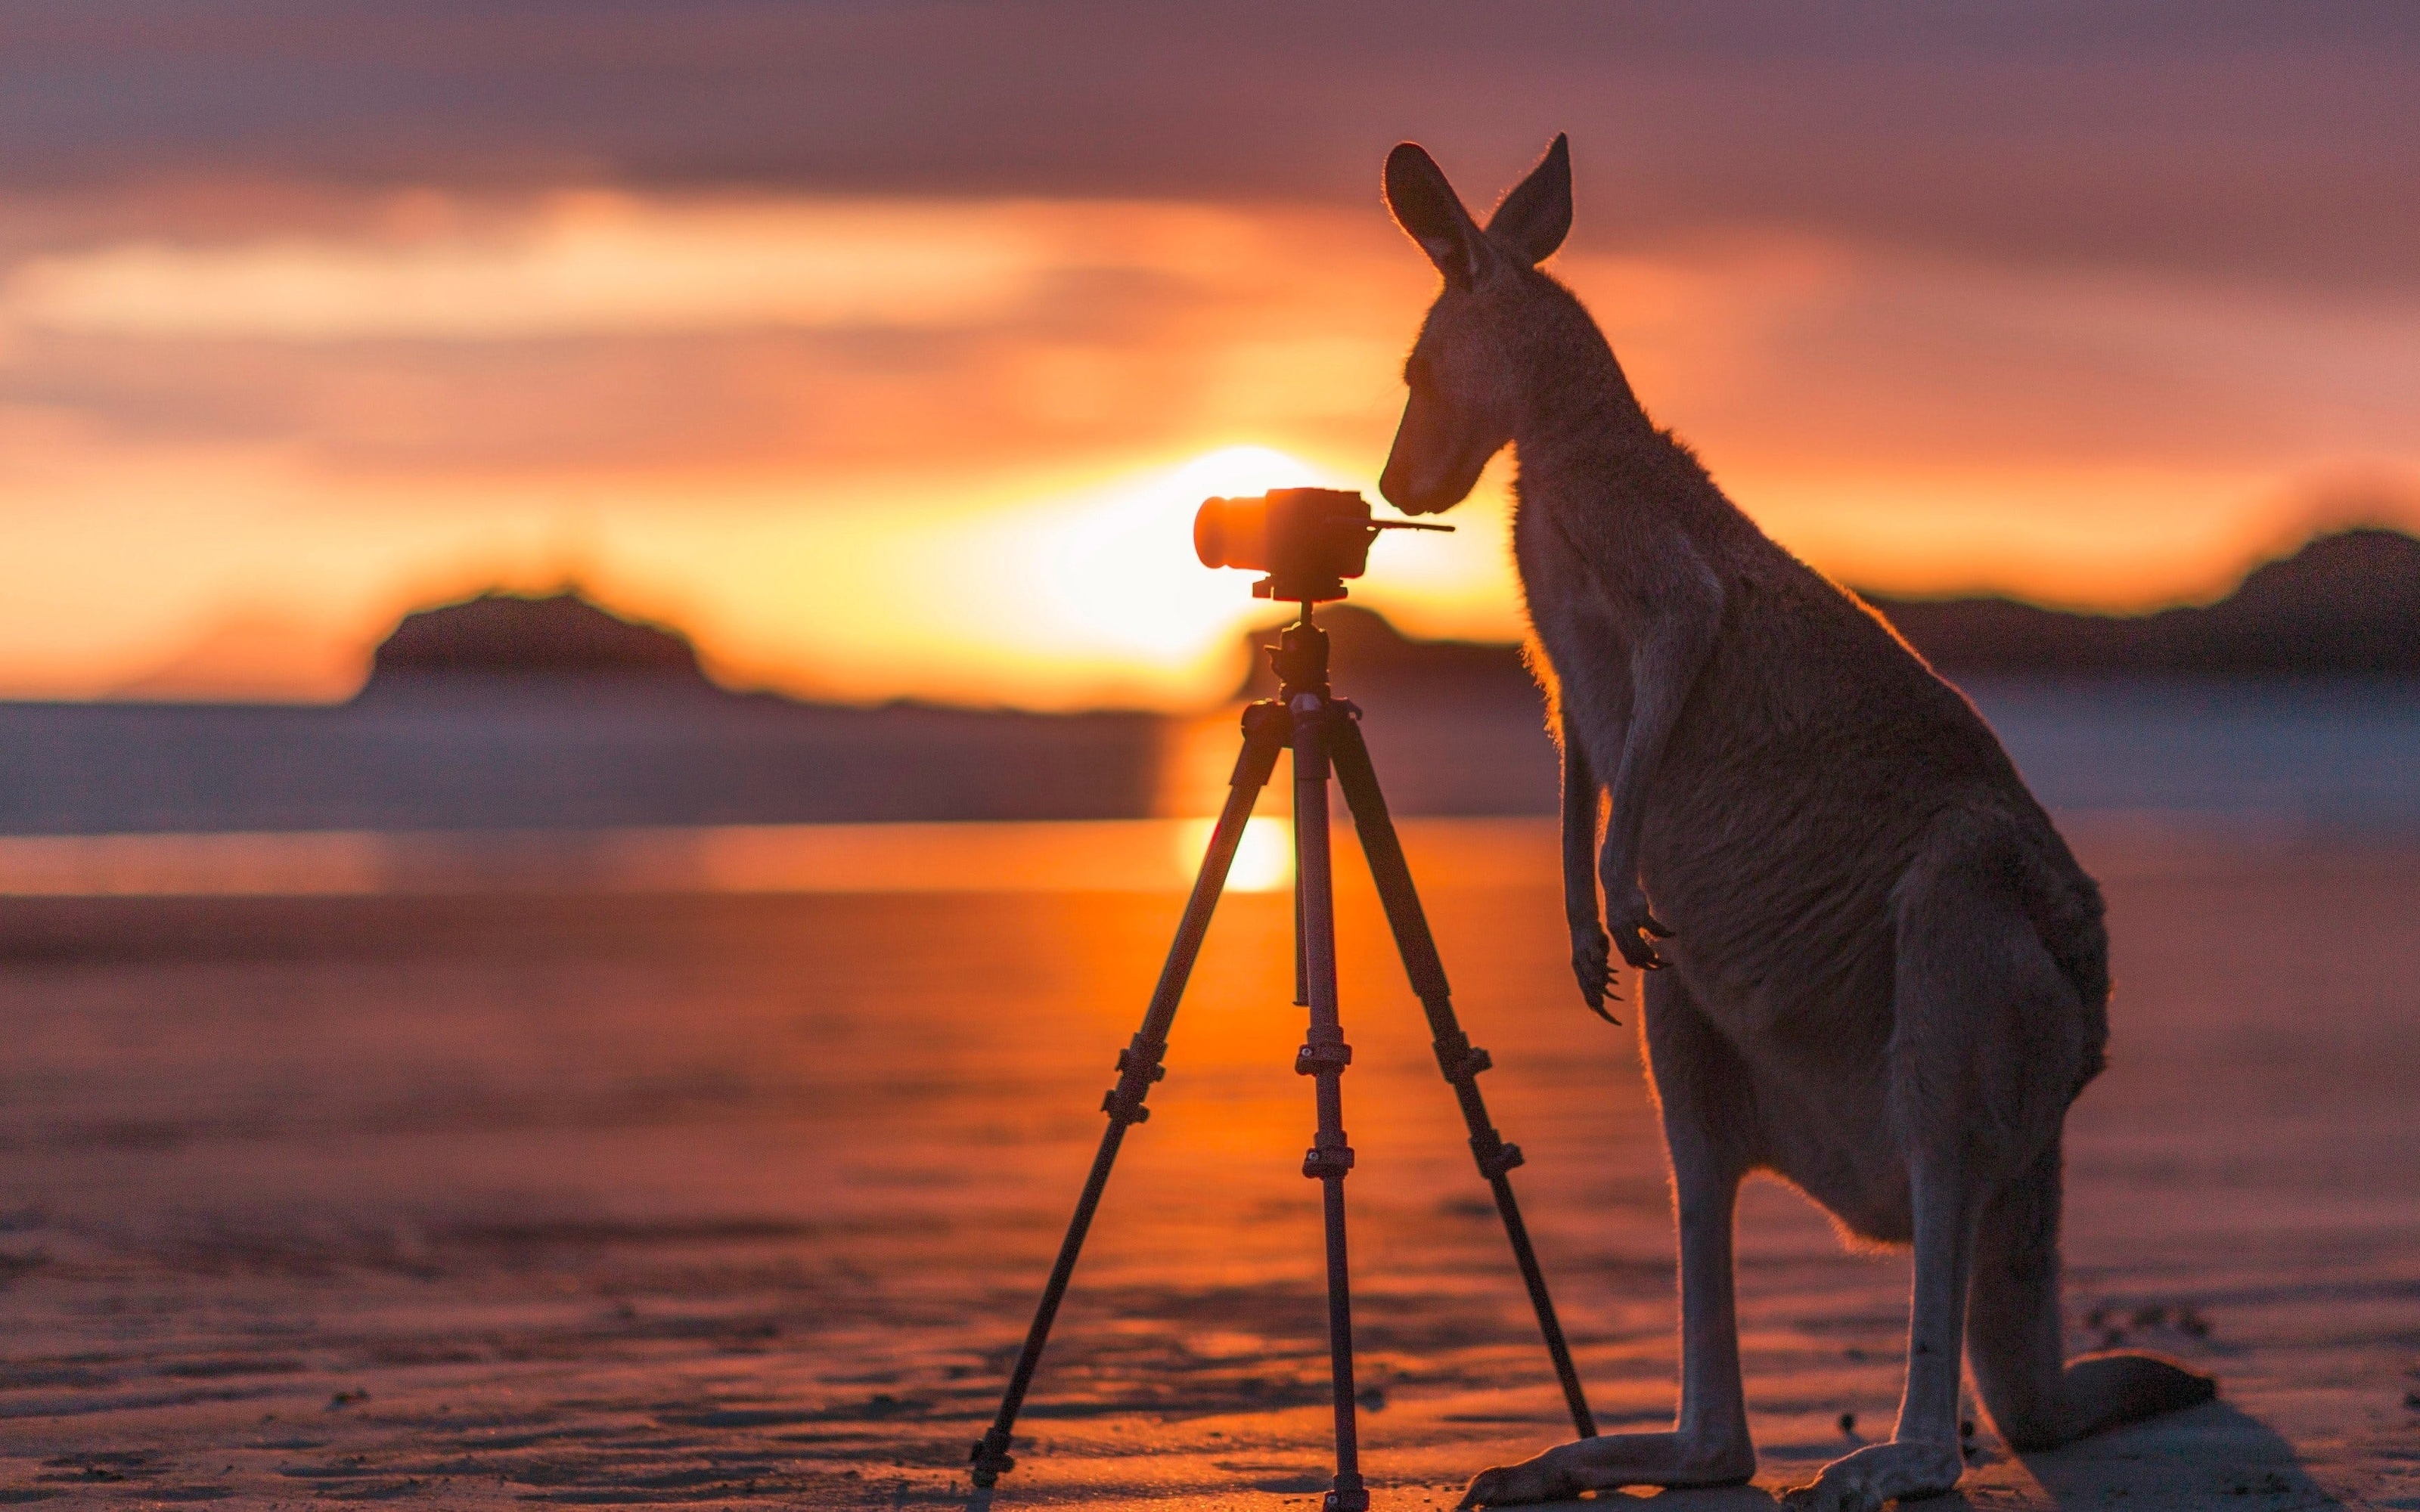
x,y
2229,138
580,265
564,340
585,334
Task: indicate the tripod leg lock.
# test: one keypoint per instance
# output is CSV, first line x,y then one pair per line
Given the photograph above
x,y
1341,1499
991,1459
1460,1059
1493,1155
1319,1055
1330,1156
1137,1068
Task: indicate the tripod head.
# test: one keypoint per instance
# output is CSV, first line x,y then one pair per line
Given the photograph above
x,y
1300,658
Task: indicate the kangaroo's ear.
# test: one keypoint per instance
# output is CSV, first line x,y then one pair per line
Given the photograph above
x,y
1537,215
1425,206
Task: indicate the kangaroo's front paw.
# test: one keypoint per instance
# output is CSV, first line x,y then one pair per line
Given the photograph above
x,y
1862,1482
1631,925
1593,964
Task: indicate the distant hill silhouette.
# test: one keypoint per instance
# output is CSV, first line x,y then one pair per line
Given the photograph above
x,y
2344,603
517,712
509,635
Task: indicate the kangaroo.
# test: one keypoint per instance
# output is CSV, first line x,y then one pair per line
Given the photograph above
x,y
1872,966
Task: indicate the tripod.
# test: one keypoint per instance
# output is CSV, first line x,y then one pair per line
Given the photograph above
x,y
1322,732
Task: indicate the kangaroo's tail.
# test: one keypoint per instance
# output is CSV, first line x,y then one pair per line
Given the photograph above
x,y
2034,1397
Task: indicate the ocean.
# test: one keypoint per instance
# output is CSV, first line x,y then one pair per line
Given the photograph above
x,y
2304,756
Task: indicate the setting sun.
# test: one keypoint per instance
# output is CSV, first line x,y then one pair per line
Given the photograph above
x,y
1116,572
1043,593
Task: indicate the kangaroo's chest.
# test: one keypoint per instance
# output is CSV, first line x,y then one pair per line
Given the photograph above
x,y
1583,639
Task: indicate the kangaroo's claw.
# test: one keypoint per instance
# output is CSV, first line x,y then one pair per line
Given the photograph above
x,y
1636,951
1592,964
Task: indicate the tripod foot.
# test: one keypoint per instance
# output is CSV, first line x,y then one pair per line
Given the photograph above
x,y
991,1459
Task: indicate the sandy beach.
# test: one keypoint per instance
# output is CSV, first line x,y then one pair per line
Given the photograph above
x,y
622,1199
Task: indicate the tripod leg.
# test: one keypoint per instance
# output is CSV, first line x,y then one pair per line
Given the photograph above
x,y
1323,1057
1265,730
1460,1060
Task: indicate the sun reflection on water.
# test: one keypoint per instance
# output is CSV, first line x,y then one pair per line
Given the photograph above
x,y
1264,858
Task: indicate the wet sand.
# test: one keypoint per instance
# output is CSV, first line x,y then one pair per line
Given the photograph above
x,y
633,1198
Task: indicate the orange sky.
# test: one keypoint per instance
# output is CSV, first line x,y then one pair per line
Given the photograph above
x,y
932,424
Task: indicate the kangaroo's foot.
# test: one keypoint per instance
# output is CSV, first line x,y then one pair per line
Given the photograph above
x,y
1616,1461
1862,1482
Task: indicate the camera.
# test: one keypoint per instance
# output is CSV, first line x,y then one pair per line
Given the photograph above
x,y
1308,540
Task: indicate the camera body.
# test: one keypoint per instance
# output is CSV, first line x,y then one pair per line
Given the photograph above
x,y
1308,540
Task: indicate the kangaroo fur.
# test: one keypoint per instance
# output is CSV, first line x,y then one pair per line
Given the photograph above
x,y
1871,967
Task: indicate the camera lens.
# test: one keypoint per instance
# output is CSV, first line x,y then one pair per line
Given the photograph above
x,y
1233,533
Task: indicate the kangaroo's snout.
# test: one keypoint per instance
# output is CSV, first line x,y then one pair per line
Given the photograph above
x,y
1424,475
1397,491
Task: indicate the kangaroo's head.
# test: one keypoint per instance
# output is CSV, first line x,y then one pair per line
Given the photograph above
x,y
1464,371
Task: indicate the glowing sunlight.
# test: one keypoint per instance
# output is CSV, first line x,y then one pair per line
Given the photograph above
x,y
1067,598
1264,858
1119,570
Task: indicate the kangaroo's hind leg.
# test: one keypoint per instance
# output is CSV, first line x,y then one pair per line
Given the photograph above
x,y
2012,1332
1708,1119
1987,1045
